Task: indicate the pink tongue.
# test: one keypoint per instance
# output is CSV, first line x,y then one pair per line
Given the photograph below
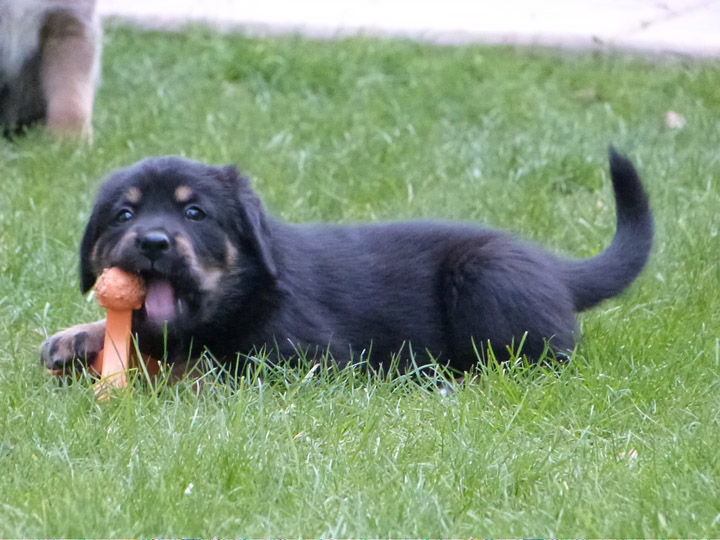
x,y
160,301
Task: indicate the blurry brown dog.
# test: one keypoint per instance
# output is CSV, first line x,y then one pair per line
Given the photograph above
x,y
49,65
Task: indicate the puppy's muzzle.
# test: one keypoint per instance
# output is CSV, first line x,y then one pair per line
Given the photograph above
x,y
153,244
159,248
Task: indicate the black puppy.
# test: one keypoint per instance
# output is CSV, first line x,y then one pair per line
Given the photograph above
x,y
223,275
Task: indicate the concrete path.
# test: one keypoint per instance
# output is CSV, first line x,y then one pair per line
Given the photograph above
x,y
685,27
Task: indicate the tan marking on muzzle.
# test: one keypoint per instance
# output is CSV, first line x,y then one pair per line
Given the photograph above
x,y
102,253
208,277
95,259
122,245
231,254
133,195
183,194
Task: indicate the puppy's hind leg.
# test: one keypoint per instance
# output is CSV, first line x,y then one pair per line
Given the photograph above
x,y
505,294
69,71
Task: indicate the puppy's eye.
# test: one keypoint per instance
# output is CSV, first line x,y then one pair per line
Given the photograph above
x,y
195,213
124,215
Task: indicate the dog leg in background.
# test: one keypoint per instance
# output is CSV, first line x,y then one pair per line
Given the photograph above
x,y
69,72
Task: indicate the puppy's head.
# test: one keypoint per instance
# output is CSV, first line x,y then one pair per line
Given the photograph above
x,y
192,231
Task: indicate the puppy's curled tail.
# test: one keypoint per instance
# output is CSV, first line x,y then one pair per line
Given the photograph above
x,y
608,274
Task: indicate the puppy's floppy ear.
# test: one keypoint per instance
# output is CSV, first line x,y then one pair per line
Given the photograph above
x,y
252,220
87,274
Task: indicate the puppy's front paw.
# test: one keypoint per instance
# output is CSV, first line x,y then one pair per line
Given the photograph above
x,y
77,346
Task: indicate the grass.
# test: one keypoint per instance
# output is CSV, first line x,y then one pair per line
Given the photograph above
x,y
621,442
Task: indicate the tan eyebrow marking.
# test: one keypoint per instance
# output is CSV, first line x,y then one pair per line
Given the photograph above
x,y
133,195
183,194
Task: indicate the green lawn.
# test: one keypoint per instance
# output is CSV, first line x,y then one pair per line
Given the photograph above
x,y
622,442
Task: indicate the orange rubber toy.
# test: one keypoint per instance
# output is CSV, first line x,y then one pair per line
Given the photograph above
x,y
119,293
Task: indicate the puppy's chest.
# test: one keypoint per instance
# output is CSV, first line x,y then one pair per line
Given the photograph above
x,y
20,24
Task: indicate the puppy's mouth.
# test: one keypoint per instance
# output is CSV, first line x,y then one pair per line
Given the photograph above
x,y
166,300
169,291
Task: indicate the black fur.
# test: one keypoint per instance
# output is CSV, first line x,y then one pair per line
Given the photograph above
x,y
22,102
443,290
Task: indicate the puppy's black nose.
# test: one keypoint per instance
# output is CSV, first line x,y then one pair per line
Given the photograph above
x,y
153,244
